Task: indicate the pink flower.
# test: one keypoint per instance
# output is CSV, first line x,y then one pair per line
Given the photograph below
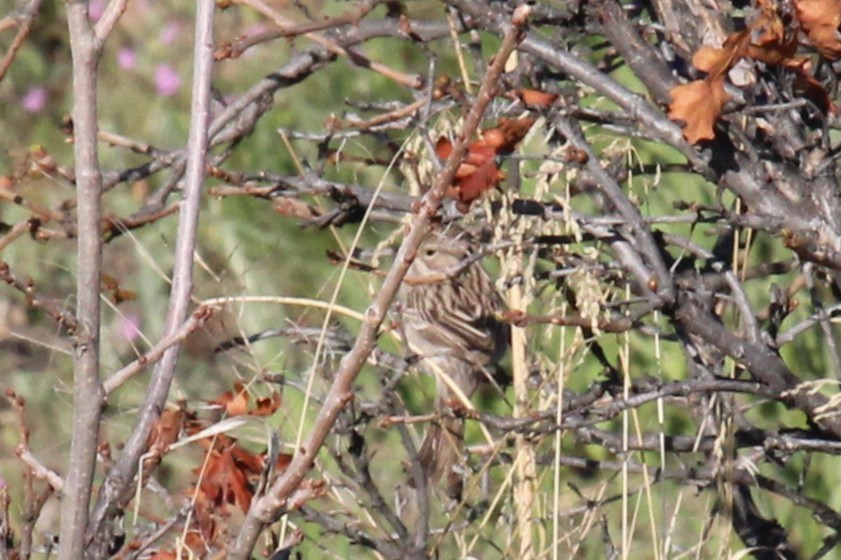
x,y
126,58
170,32
95,9
167,80
130,327
34,100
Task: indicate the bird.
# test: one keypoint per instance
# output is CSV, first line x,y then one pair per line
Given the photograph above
x,y
450,312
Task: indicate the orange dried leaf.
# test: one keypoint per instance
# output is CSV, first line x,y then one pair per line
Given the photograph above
x,y
235,404
109,282
717,61
165,431
486,176
283,461
250,463
292,207
492,139
712,60
267,406
820,20
825,39
698,104
196,542
478,154
119,296
205,513
535,98
769,41
443,147
224,482
478,172
513,131
806,82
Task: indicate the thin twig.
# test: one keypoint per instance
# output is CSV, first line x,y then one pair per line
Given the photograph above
x,y
122,474
24,24
196,320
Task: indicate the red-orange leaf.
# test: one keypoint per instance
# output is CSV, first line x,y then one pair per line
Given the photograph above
x,y
806,83
478,172
267,406
535,98
235,404
443,147
513,131
820,20
165,431
698,104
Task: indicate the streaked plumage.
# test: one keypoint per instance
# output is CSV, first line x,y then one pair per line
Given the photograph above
x,y
450,318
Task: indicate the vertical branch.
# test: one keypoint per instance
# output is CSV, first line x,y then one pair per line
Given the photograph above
x,y
525,465
120,477
519,297
87,388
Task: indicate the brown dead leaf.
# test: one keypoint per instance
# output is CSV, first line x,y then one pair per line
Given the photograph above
x,y
226,482
109,282
235,403
717,61
165,431
513,131
267,406
771,41
806,83
820,20
118,294
698,104
228,477
206,514
479,172
288,206
535,98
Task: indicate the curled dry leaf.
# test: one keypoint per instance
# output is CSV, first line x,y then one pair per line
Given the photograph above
x,y
535,98
288,206
236,403
266,406
479,172
820,20
229,477
698,104
806,82
118,294
165,431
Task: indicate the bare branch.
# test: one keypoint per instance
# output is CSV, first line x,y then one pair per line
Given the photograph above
x,y
87,387
122,474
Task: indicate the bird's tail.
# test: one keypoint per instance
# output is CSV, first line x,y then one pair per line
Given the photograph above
x,y
441,453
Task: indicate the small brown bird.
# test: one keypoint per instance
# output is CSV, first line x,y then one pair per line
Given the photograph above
x,y
450,319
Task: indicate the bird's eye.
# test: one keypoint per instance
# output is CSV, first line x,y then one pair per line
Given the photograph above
x,y
429,252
